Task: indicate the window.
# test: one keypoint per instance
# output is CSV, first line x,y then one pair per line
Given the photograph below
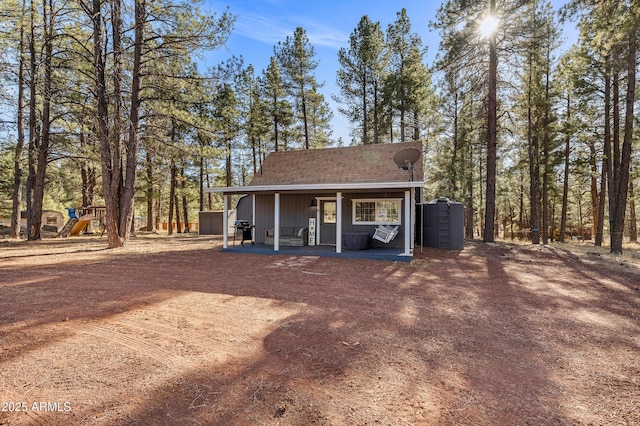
x,y
329,212
52,220
377,212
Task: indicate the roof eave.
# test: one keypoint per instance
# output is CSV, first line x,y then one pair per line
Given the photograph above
x,y
315,187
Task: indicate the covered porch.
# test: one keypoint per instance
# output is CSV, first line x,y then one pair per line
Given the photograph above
x,y
275,208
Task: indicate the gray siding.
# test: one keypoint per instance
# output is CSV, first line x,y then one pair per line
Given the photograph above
x,y
295,211
348,226
244,208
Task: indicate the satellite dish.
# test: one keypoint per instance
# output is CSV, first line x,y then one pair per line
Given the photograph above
x,y
406,158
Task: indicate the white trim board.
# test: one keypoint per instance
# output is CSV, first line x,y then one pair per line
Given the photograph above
x,y
315,187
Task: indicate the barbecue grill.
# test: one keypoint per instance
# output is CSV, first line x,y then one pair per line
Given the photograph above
x,y
246,230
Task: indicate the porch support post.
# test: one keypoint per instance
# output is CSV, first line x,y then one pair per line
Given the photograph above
x,y
225,221
407,223
253,217
276,222
339,222
413,219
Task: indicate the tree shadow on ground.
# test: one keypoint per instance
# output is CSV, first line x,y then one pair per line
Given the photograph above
x,y
482,336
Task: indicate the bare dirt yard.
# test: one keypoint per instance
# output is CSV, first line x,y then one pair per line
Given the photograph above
x,y
171,331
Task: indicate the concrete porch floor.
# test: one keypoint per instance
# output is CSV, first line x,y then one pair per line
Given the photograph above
x,y
392,254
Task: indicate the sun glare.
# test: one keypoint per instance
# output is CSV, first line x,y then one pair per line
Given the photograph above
x,y
488,26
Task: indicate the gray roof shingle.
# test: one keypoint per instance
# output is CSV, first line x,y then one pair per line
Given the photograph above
x,y
354,164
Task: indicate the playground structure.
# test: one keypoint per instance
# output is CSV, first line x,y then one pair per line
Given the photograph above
x,y
81,219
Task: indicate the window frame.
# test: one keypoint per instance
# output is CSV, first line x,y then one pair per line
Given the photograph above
x,y
396,201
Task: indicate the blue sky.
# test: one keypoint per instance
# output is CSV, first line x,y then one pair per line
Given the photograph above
x,y
261,24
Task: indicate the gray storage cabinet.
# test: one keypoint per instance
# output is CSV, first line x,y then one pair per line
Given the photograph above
x,y
443,224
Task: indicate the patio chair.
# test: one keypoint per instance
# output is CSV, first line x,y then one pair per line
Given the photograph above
x,y
385,233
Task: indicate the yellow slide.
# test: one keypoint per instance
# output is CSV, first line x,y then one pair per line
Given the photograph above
x,y
80,226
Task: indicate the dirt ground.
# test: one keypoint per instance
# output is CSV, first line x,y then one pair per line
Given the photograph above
x,y
170,331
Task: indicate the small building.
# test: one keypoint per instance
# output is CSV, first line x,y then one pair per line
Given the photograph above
x,y
333,197
211,222
52,221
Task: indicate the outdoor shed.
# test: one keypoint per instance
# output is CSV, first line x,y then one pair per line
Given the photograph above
x,y
211,222
336,197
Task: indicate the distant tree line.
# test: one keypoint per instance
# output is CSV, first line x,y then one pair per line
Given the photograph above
x,y
567,135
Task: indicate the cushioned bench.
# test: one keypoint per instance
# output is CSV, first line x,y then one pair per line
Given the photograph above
x,y
289,236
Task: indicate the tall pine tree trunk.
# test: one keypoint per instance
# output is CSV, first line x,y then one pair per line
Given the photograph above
x,y
118,189
615,146
545,187
365,113
614,135
305,119
565,180
128,190
402,114
149,165
201,182
376,108
42,149
14,231
622,185
109,151
177,207
595,195
172,195
608,159
633,228
601,203
229,176
534,168
469,196
209,197
87,173
545,154
276,120
454,155
185,205
33,116
606,189
492,133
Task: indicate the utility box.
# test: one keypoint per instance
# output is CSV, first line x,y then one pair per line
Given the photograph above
x,y
443,224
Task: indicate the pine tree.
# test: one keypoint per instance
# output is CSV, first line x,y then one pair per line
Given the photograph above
x,y
278,107
407,84
296,59
612,29
360,79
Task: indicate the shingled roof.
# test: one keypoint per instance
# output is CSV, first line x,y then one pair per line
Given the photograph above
x,y
345,165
